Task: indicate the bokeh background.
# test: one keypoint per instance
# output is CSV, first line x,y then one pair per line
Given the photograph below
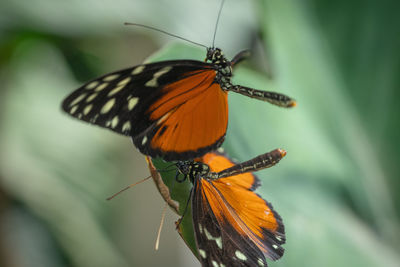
x,y
337,189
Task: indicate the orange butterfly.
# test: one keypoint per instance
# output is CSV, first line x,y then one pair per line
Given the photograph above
x,y
233,225
176,109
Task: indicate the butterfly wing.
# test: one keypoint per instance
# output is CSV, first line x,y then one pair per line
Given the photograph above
x,y
172,109
233,225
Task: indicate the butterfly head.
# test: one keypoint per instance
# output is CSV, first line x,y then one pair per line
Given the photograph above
x,y
223,65
184,167
215,56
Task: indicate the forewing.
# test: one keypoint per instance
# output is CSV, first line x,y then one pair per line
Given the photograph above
x,y
191,119
218,242
171,109
227,208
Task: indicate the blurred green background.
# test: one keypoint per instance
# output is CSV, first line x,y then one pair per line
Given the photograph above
x,y
337,189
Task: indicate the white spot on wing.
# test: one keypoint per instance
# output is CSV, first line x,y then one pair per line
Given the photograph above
x,y
115,90
275,246
217,240
73,109
144,140
91,85
91,97
215,264
101,87
240,255
261,262
87,109
111,77
154,81
202,253
124,81
114,122
77,100
126,127
132,102
108,106
138,70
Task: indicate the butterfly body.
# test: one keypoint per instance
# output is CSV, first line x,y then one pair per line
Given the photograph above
x,y
175,109
233,225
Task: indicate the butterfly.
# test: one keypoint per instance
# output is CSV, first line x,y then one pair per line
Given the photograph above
x,y
233,225
175,109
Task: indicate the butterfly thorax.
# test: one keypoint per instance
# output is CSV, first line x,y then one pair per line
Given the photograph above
x,y
222,65
195,170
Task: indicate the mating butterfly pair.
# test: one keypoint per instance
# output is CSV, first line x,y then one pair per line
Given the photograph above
x,y
178,110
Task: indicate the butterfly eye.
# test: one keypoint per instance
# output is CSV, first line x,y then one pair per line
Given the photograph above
x,y
210,53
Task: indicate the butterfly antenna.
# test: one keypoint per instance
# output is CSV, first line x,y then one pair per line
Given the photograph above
x,y
166,169
216,24
129,186
160,228
162,31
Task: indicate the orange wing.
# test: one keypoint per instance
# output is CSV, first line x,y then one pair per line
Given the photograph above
x,y
171,109
191,115
243,225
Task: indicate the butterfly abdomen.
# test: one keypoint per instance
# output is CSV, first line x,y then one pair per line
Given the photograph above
x,y
258,163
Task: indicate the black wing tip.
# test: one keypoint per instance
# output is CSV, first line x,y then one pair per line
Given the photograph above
x,y
66,103
275,239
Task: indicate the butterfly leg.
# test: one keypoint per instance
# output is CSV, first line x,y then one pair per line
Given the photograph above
x,y
242,55
186,208
277,99
180,180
